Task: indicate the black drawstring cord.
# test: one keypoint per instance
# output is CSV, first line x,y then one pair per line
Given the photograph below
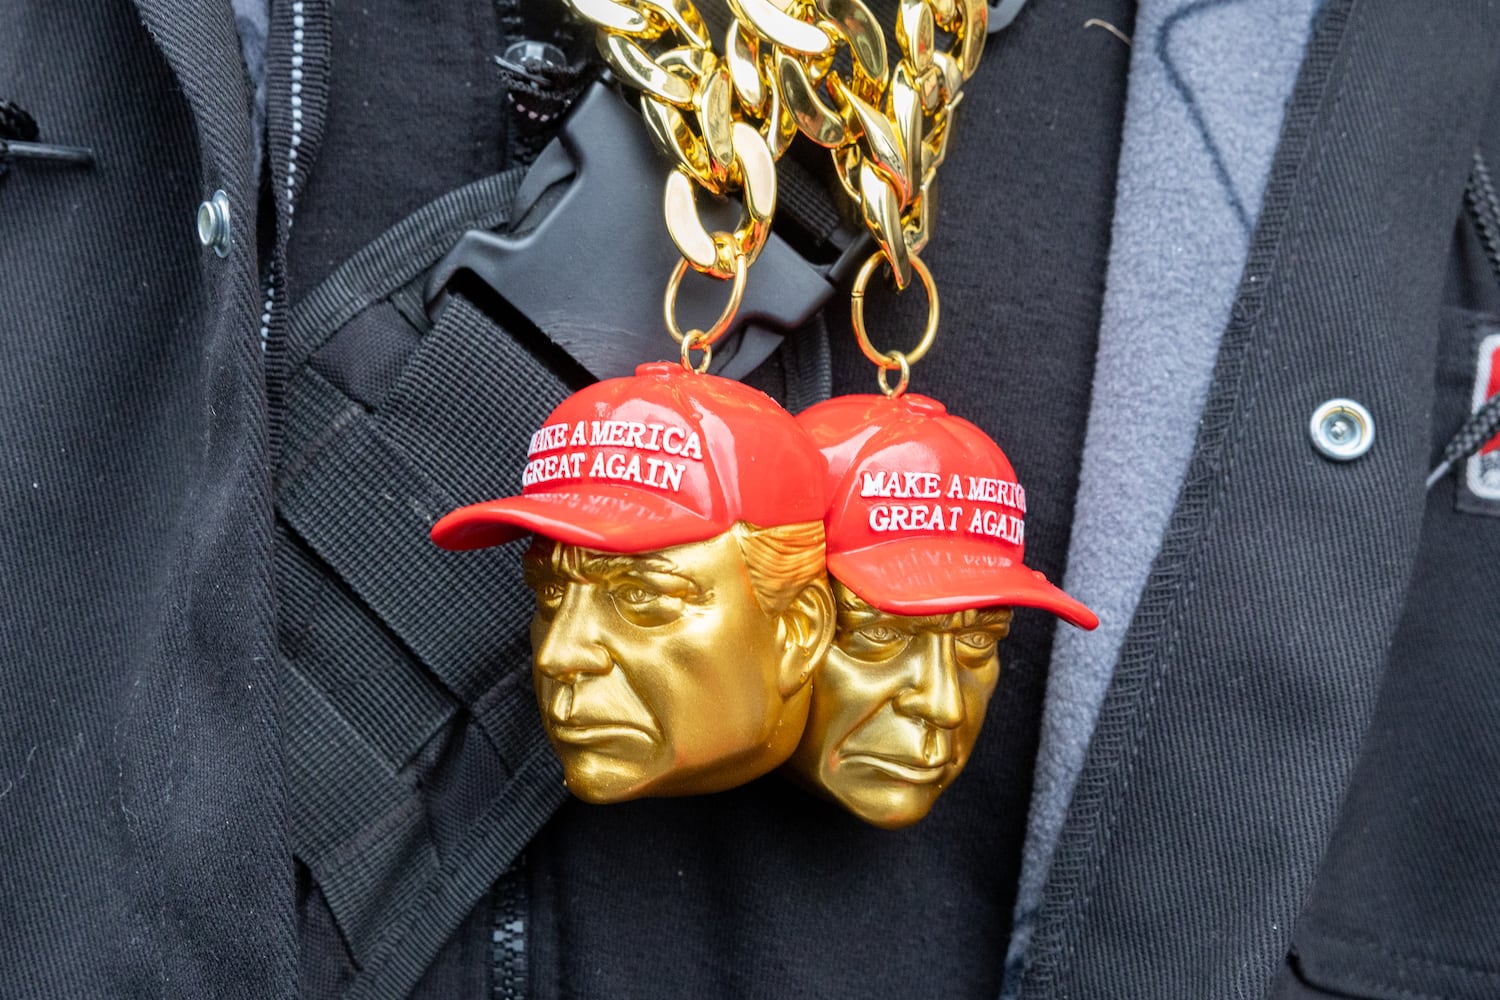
x,y
1483,425
1484,210
16,122
18,141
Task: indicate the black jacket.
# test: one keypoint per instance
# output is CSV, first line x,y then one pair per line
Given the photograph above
x,y
217,484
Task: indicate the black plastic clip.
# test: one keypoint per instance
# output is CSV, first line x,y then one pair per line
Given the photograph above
x,y
590,275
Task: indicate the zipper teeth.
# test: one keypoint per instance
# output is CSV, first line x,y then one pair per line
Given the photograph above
x,y
508,935
265,314
298,37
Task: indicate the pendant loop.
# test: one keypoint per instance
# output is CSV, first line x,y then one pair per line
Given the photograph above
x,y
887,360
904,381
697,340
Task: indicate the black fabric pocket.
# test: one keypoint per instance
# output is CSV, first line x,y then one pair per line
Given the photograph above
x,y
1473,364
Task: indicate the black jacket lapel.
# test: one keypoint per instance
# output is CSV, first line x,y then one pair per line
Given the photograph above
x,y
1250,669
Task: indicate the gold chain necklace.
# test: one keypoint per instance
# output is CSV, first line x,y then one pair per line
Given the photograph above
x,y
726,119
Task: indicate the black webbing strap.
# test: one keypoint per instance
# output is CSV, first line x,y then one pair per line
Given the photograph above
x,y
496,839
389,644
453,431
356,667
807,360
367,838
809,202
358,824
362,494
356,711
403,253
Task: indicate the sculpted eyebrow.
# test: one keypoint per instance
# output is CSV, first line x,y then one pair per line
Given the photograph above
x,y
579,567
857,618
986,617
538,567
609,565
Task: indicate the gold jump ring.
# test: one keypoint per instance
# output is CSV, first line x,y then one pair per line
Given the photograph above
x,y
902,383
857,314
713,333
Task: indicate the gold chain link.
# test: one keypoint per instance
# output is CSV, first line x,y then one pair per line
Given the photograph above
x,y
726,119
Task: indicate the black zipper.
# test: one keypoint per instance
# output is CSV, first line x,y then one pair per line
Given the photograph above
x,y
508,965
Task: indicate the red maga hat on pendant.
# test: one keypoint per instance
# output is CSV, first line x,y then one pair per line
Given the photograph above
x,y
925,514
661,458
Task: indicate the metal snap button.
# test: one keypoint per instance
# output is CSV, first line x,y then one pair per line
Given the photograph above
x,y
213,223
1342,429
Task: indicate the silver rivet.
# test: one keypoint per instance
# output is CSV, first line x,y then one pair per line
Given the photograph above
x,y
1342,429
213,223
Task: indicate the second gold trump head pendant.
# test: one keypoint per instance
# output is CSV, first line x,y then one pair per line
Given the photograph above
x,y
926,530
678,564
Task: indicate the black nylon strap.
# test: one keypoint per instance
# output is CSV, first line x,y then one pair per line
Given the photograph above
x,y
807,201
807,361
405,251
358,668
356,711
515,813
358,827
364,501
468,403
386,641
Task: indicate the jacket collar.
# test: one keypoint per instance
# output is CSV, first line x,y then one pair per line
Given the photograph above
x,y
1208,86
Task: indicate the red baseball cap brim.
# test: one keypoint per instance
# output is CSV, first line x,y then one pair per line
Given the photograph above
x,y
593,515
929,576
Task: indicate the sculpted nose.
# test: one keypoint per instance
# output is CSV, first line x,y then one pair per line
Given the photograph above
x,y
933,694
572,644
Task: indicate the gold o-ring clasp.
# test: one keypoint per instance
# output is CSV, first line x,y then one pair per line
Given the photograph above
x,y
703,340
890,361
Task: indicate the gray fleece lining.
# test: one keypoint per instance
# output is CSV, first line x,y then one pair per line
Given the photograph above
x,y
252,18
1209,84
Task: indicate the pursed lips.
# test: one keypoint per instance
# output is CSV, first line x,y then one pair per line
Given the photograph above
x,y
919,757
570,725
915,772
601,732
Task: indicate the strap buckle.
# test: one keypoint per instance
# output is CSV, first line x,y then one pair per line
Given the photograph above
x,y
589,275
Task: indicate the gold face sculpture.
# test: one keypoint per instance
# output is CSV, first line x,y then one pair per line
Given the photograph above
x,y
680,671
897,705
